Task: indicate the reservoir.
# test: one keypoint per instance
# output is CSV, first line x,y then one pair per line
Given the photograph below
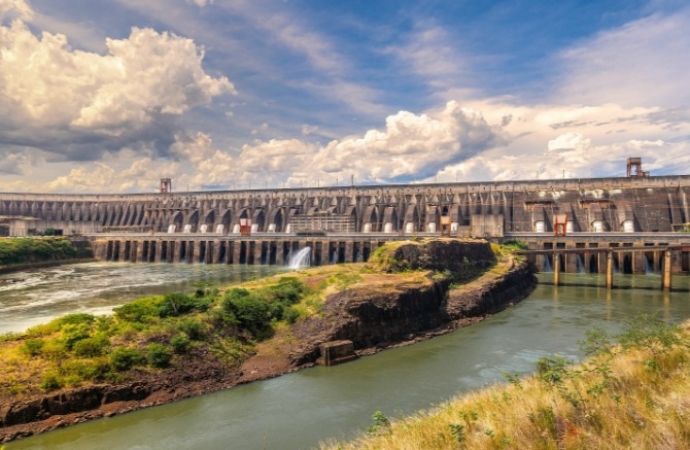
x,y
299,410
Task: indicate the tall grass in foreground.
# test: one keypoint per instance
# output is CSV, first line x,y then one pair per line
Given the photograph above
x,y
635,394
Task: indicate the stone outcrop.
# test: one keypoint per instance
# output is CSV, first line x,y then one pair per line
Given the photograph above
x,y
377,316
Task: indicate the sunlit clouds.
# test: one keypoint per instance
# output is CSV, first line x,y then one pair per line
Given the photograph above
x,y
223,95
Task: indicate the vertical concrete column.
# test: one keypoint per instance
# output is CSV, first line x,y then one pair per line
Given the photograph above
x,y
140,251
215,249
159,251
666,277
556,269
191,251
349,251
609,269
638,259
171,252
280,253
258,252
326,255
236,252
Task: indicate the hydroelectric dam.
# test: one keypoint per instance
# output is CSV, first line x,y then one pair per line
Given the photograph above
x,y
347,223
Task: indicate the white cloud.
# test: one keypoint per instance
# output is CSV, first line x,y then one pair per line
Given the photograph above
x,y
642,63
57,98
15,8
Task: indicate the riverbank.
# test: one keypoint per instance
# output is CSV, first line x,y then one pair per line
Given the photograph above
x,y
334,291
20,254
635,394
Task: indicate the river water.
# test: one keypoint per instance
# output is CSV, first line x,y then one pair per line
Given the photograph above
x,y
299,410
35,296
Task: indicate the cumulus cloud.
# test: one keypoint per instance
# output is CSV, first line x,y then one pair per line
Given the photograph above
x,y
17,8
79,104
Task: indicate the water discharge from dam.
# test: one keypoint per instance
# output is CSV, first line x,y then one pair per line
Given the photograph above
x,y
301,409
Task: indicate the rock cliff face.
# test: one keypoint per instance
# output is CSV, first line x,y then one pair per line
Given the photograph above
x,y
381,315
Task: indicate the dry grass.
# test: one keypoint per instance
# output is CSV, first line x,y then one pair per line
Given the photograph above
x,y
636,397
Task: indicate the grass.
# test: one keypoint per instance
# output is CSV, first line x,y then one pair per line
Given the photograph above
x,y
635,394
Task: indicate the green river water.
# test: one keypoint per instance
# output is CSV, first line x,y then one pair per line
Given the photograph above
x,y
299,410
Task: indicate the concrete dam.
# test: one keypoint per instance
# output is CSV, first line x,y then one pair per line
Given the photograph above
x,y
346,223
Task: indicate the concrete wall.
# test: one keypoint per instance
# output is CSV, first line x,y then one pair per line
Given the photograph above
x,y
606,204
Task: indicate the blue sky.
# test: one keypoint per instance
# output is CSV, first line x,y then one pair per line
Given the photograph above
x,y
111,96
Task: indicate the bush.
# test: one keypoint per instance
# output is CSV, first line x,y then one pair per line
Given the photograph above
x,y
141,311
50,382
75,319
91,347
250,313
33,347
125,358
158,355
180,344
193,329
71,334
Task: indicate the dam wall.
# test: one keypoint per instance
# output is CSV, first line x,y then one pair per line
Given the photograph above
x,y
484,209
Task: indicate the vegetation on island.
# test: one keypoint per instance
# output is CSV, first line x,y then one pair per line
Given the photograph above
x,y
160,333
36,249
631,394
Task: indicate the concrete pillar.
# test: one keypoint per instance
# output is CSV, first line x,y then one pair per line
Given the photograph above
x,y
349,252
326,255
666,277
236,251
258,252
137,248
215,251
280,253
191,251
556,269
159,251
609,269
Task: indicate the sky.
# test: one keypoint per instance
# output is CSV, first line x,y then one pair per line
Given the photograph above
x,y
111,96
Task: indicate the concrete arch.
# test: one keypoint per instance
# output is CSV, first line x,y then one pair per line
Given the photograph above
x,y
208,221
390,219
224,221
191,223
275,221
370,219
258,221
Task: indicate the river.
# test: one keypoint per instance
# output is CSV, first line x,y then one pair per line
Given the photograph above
x,y
301,409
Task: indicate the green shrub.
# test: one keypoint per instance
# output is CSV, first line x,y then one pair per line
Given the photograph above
x,y
91,347
251,313
158,355
71,334
180,344
32,347
290,315
193,329
50,382
143,310
125,358
76,370
75,319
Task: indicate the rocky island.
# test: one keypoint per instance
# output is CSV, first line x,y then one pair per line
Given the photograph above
x,y
161,349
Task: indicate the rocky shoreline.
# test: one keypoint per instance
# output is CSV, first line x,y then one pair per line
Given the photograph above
x,y
372,317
